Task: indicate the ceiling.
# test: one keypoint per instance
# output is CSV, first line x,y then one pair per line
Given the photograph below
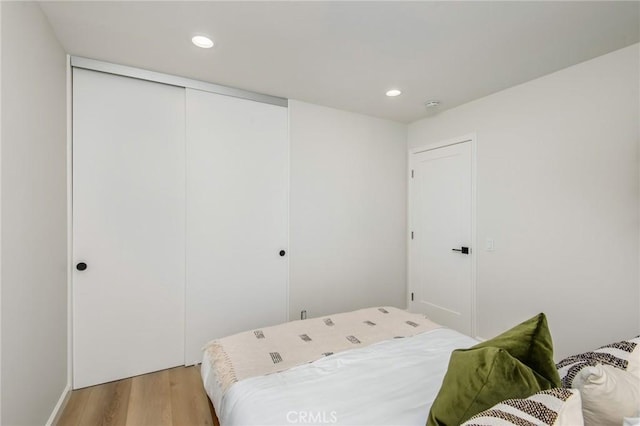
x,y
346,55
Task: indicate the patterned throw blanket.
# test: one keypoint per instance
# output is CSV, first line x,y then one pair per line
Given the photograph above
x,y
278,348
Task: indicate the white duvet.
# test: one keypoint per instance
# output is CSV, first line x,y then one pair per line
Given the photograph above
x,y
388,383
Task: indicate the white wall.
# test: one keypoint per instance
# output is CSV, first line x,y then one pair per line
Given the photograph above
x,y
34,202
0,212
348,214
558,191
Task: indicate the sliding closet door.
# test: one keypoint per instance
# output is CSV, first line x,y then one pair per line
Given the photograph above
x,y
128,227
237,189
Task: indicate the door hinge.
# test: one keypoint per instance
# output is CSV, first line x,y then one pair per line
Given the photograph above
x,y
412,235
412,297
412,173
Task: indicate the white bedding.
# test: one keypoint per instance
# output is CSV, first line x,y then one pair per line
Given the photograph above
x,y
388,383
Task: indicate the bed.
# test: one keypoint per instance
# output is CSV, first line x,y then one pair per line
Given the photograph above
x,y
331,378
386,366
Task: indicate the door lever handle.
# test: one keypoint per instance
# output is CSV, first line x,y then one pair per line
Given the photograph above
x,y
463,250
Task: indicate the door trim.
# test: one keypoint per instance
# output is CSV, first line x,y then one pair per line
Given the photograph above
x,y
69,223
470,137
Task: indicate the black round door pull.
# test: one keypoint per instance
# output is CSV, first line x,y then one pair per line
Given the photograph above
x,y
282,253
81,266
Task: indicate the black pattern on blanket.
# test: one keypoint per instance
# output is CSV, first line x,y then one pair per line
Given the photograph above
x,y
278,348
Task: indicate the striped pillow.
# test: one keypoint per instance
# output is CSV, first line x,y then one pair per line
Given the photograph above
x,y
624,355
558,407
608,379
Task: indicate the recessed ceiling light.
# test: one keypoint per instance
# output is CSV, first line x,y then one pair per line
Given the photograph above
x,y
431,104
202,41
393,92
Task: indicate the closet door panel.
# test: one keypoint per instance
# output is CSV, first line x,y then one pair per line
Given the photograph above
x,y
128,227
237,217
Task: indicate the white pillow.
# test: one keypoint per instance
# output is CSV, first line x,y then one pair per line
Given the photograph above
x,y
608,394
609,381
634,358
557,407
631,421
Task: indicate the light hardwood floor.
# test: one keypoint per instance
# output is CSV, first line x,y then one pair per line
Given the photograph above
x,y
172,397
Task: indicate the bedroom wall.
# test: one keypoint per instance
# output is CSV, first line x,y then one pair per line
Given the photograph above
x,y
0,212
558,191
33,244
348,215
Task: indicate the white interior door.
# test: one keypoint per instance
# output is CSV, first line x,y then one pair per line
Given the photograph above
x,y
441,230
237,222
128,227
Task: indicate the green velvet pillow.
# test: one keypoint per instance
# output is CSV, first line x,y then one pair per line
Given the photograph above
x,y
515,364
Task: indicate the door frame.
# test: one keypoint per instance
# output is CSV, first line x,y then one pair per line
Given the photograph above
x,y
472,138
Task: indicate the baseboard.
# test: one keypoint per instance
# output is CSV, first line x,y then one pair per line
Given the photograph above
x,y
59,408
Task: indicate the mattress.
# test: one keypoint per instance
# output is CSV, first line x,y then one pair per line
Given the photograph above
x,y
390,382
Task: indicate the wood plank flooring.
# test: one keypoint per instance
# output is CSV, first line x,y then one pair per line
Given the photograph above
x,y
172,397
